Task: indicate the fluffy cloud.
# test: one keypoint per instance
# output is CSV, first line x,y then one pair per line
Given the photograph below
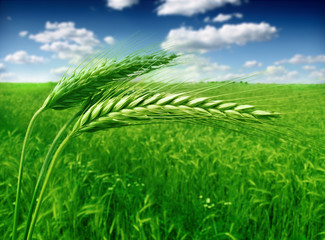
x,y
65,31
22,57
301,59
205,65
66,41
200,68
191,7
207,19
238,15
197,68
236,77
68,51
23,33
278,74
109,40
318,74
211,38
309,67
275,70
2,67
223,17
60,71
120,4
13,77
252,63
7,77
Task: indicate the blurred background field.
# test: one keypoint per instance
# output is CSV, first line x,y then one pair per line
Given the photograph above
x,y
171,181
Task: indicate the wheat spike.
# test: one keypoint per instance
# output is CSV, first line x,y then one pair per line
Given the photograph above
x,y
73,89
141,109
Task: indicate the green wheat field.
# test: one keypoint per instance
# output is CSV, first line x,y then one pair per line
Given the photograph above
x,y
171,181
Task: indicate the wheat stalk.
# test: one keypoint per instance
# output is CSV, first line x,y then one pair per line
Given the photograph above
x,y
86,86
21,169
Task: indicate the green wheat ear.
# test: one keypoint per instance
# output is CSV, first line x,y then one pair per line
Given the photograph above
x,y
74,89
130,106
137,108
85,86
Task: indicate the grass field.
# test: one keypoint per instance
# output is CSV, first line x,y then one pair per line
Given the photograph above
x,y
171,181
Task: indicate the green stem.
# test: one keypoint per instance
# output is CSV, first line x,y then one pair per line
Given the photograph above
x,y
21,168
47,177
43,172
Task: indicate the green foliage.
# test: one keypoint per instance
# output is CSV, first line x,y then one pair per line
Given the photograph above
x,y
171,181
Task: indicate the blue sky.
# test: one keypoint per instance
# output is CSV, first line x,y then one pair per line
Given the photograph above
x,y
228,38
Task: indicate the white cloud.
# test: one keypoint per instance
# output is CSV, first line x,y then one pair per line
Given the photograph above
x,y
278,74
230,77
252,63
207,19
9,18
200,69
66,41
191,7
301,59
7,77
120,4
309,67
211,38
238,15
197,68
318,74
109,40
22,57
223,17
275,70
205,65
65,31
68,51
23,33
2,67
60,71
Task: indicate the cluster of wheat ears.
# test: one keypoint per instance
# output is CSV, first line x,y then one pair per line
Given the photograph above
x,y
114,93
